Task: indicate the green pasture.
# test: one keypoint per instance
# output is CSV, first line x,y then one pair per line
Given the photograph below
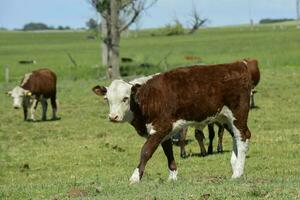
x,y
84,156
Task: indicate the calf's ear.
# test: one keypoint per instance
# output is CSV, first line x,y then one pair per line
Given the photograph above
x,y
135,88
8,93
99,90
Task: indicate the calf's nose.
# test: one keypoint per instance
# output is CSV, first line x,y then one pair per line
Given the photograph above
x,y
113,118
16,107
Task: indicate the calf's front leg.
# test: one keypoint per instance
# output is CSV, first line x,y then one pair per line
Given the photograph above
x,y
33,107
25,105
146,153
168,150
25,112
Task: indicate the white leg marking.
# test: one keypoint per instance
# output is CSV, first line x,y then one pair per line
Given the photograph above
x,y
135,177
32,109
239,151
239,147
233,154
172,175
240,162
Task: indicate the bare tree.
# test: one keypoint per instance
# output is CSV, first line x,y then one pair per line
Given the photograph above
x,y
116,16
298,12
196,21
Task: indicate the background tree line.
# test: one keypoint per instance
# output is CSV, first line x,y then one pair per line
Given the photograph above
x,y
32,26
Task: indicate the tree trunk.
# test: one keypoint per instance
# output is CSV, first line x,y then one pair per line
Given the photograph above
x,y
104,40
115,39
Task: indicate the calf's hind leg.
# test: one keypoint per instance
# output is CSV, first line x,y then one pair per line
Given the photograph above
x,y
199,135
182,144
54,108
240,147
211,136
220,138
44,108
240,138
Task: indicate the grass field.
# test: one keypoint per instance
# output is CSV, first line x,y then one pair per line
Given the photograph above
x,y
84,156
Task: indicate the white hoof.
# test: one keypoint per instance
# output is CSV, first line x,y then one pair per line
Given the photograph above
x,y
236,175
172,175
135,177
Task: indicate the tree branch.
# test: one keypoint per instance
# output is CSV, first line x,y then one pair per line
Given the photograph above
x,y
197,22
137,7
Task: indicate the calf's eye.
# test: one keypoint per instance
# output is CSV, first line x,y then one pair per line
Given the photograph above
x,y
125,99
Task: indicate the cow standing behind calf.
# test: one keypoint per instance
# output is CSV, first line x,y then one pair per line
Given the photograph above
x,y
36,86
168,102
253,70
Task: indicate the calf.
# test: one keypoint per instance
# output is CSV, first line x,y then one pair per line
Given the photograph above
x,y
168,102
36,86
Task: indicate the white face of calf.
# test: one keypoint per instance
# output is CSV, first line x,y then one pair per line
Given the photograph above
x,y
118,99
18,94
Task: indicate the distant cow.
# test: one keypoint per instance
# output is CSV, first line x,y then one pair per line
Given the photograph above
x,y
255,77
36,86
181,97
252,66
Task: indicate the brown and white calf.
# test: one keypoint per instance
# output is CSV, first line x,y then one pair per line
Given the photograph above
x,y
39,85
170,101
253,70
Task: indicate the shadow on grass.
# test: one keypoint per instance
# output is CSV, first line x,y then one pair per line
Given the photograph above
x,y
47,120
191,154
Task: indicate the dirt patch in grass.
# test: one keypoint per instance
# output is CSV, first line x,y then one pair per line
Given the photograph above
x,y
75,192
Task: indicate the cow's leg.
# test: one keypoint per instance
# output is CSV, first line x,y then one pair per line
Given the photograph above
x,y
25,105
54,107
168,150
240,147
146,153
44,108
220,138
182,143
25,112
211,136
237,125
234,146
252,103
33,107
200,138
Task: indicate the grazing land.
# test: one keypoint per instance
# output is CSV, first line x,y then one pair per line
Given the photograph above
x,y
84,156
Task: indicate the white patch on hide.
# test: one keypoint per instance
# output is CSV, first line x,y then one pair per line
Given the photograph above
x,y
26,78
150,129
142,80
